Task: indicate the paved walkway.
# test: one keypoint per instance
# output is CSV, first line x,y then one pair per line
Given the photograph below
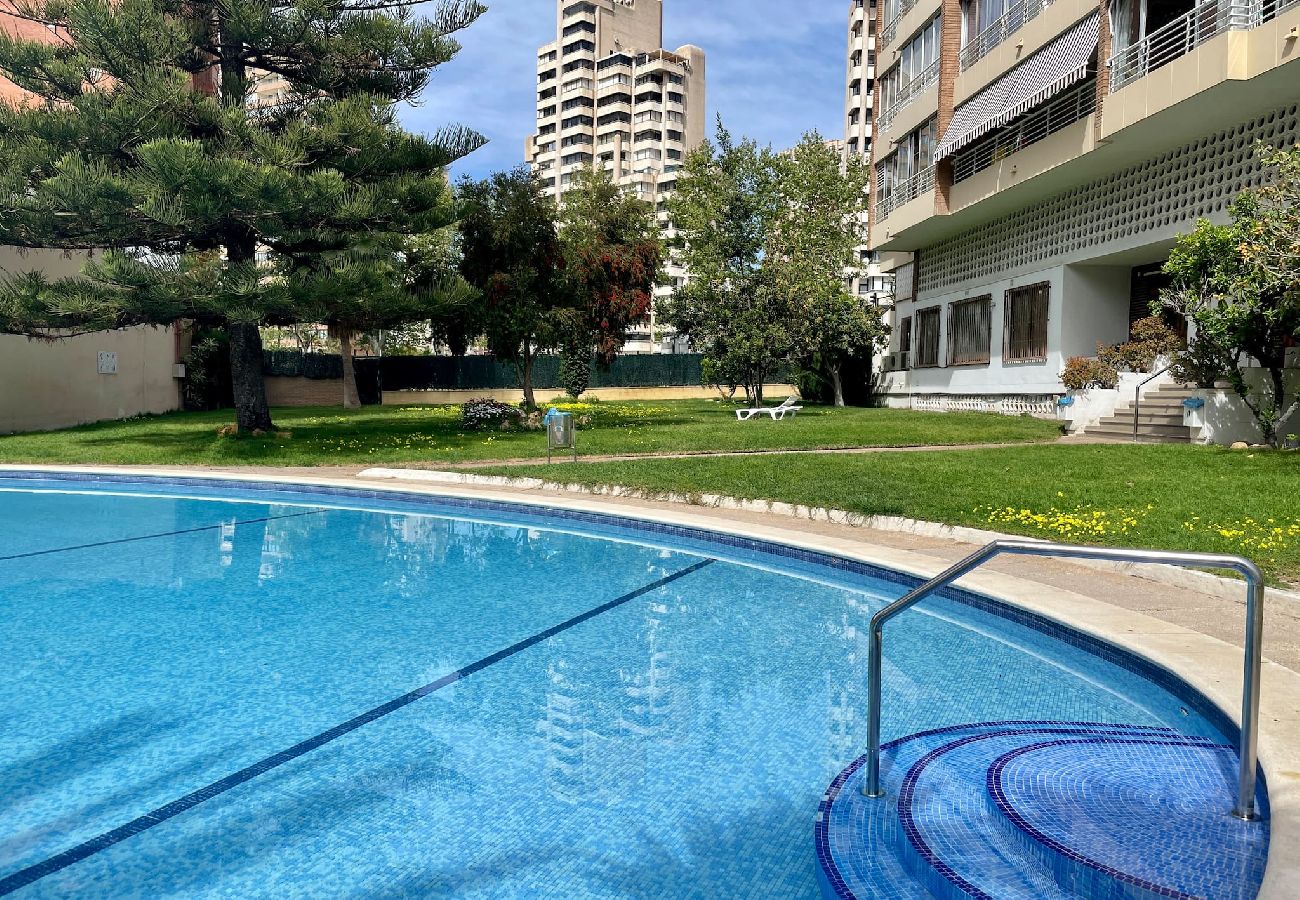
x,y
721,454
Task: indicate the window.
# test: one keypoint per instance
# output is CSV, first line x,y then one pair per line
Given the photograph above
x,y
970,331
905,339
915,59
927,337
1025,331
915,154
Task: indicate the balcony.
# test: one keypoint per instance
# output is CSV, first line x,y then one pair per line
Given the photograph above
x,y
906,192
1203,22
890,30
908,93
1061,112
1012,21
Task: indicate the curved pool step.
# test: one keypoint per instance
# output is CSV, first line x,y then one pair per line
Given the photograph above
x,y
991,810
1114,816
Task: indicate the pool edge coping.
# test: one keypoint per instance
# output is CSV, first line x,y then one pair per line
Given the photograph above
x,y
1209,665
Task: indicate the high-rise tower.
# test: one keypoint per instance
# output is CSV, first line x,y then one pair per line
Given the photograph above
x,y
609,95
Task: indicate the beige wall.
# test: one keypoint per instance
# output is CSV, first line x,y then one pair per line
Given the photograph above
x,y
44,386
445,398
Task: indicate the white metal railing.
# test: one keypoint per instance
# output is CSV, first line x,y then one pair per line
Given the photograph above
x,y
890,31
1254,642
906,191
1075,104
908,93
1271,9
1012,21
1204,21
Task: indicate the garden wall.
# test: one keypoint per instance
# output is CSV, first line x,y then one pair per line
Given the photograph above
x,y
308,379
48,385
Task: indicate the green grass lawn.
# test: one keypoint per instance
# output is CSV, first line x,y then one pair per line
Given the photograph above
x,y
381,435
1166,496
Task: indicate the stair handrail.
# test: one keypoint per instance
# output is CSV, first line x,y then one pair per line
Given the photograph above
x,y
1249,739
1137,400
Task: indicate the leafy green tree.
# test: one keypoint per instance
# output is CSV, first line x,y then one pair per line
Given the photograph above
x,y
434,263
812,252
1239,285
612,253
146,142
511,253
727,203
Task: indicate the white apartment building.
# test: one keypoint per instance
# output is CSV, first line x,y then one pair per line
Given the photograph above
x,y
609,95
870,281
1036,159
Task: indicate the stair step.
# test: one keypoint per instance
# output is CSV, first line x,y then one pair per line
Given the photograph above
x,y
1145,420
1172,432
1030,810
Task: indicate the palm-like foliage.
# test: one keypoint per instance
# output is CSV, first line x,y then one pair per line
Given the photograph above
x,y
142,138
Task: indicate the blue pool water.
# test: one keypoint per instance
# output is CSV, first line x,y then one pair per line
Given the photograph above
x,y
215,691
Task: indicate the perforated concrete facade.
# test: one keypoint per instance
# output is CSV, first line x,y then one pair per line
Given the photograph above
x,y
1153,200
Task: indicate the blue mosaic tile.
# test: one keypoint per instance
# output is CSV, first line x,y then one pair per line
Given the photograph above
x,y
1112,812
597,762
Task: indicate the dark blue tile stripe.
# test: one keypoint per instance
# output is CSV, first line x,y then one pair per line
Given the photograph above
x,y
24,877
161,534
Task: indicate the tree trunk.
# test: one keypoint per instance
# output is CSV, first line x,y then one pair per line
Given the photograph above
x,y
837,382
758,392
251,410
351,399
526,377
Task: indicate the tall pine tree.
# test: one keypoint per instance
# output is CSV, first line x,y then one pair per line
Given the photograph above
x,y
144,140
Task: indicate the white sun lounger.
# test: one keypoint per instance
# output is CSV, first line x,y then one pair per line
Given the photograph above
x,y
787,408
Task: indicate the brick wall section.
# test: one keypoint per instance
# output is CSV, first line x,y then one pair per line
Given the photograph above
x,y
949,69
1103,71
304,391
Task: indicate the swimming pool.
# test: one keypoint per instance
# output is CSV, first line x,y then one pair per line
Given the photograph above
x,y
240,690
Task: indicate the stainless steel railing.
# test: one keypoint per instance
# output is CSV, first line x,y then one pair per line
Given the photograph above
x,y
905,192
1207,19
1137,400
1248,744
1077,103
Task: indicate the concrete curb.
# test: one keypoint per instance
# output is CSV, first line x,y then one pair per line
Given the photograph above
x,y
1216,586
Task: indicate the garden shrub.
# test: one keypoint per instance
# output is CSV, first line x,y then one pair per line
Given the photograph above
x,y
1083,372
575,373
1151,339
1203,364
482,414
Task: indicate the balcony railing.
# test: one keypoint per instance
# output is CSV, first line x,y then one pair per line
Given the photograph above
x,y
1035,125
1271,9
906,191
890,31
1201,23
1012,21
907,94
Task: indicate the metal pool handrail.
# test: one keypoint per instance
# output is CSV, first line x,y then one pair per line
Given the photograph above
x,y
1137,399
1248,745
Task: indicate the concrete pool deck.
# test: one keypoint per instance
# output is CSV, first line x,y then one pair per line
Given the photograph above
x,y
1196,634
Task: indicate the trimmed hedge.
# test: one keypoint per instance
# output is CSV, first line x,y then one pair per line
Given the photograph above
x,y
484,373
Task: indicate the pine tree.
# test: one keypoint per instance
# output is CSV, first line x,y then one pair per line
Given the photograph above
x,y
144,141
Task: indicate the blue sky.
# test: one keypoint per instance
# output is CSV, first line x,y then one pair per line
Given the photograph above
x,y
775,70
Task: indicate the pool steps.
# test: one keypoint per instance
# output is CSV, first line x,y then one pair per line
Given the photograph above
x,y
1036,811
